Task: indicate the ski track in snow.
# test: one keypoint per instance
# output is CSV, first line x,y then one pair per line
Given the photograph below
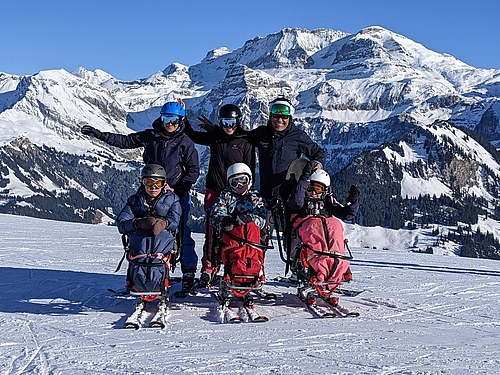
x,y
420,314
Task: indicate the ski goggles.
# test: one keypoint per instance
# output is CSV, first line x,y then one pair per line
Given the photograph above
x,y
170,119
316,188
151,182
228,122
239,181
281,109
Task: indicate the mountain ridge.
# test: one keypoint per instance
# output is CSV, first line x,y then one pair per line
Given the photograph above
x,y
354,94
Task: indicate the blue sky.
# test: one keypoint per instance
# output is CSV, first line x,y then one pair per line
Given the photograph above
x,y
132,39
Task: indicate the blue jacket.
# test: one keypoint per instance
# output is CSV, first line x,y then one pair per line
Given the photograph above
x,y
141,240
175,152
277,150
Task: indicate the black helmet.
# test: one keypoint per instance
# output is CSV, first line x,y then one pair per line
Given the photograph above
x,y
229,111
153,171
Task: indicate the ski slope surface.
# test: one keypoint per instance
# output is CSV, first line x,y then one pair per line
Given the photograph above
x,y
419,313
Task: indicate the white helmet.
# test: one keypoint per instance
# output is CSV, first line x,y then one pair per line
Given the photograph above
x,y
282,102
320,176
238,168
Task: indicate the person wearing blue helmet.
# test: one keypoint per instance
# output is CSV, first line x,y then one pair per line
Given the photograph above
x,y
166,144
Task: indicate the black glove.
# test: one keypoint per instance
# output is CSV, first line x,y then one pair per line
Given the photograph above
x,y
353,194
308,170
182,189
242,219
227,224
89,130
273,203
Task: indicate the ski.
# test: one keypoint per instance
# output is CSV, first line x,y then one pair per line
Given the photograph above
x,y
135,320
120,292
185,293
159,320
320,312
230,316
252,313
254,316
266,295
329,311
339,290
344,313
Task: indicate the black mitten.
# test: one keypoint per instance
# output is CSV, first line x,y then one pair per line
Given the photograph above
x,y
227,224
353,194
89,130
308,170
242,219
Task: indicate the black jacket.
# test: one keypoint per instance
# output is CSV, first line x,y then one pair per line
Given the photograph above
x,y
175,152
298,205
277,150
225,150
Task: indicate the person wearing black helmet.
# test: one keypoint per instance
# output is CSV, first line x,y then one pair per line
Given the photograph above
x,y
228,145
150,218
166,144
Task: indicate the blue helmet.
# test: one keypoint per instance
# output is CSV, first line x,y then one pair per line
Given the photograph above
x,y
173,108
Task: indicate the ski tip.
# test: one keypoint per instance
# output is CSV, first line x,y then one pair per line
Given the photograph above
x,y
260,319
157,325
134,326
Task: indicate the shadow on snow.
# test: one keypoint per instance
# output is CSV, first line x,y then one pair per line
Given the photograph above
x,y
58,292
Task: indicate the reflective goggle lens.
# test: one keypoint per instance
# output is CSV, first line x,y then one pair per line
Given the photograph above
x,y
151,182
228,122
239,181
280,109
316,188
173,119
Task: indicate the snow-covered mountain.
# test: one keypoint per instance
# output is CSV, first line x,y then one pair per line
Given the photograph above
x,y
373,91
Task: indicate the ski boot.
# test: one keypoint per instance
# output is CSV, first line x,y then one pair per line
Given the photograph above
x,y
205,280
187,285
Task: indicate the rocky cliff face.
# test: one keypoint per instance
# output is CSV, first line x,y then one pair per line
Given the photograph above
x,y
354,94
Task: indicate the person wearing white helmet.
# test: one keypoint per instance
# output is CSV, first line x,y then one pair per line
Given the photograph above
x,y
312,195
228,144
239,202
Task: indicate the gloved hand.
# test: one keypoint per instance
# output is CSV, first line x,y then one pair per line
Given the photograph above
x,y
159,226
89,130
353,194
145,222
182,189
273,203
205,122
308,170
242,219
227,224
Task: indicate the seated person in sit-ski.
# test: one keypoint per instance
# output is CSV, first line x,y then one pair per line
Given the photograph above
x,y
313,189
150,219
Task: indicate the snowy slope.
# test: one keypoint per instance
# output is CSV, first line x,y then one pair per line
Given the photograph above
x,y
420,313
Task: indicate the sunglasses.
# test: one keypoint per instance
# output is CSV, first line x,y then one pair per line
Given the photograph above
x,y
283,117
151,182
281,109
315,188
239,181
228,122
171,119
